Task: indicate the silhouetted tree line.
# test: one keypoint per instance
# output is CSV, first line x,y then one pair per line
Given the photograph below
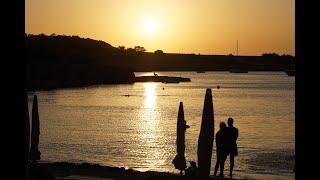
x,y
63,61
159,52
137,50
277,56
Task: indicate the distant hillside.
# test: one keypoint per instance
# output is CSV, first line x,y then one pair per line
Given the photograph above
x,y
63,61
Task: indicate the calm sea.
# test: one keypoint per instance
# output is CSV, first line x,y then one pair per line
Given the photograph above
x,y
134,126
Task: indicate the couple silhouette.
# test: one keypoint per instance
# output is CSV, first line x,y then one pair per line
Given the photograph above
x,y
226,144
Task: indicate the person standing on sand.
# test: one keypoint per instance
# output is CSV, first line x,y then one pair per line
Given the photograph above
x,y
232,134
221,149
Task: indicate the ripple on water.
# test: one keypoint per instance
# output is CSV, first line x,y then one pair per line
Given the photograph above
x,y
276,161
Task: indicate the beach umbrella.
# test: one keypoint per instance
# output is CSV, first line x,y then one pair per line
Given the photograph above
x,y
180,161
26,127
181,127
206,137
35,131
27,134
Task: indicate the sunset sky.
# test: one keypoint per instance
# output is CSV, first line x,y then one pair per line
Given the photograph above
x,y
182,26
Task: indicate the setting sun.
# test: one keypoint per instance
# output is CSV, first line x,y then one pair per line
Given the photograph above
x,y
149,27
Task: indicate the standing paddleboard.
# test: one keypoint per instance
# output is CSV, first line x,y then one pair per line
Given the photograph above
x,y
206,137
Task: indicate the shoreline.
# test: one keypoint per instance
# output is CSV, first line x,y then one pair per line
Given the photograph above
x,y
67,170
136,79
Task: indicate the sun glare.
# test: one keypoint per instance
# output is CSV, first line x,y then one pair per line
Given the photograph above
x,y
150,94
149,27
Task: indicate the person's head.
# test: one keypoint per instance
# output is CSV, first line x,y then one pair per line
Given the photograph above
x,y
223,125
230,121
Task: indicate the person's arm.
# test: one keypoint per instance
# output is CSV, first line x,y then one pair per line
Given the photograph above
x,y
218,141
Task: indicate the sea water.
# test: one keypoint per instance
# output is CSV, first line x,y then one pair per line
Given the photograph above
x,y
134,126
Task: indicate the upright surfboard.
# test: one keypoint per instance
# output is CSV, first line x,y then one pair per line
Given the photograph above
x,y
206,137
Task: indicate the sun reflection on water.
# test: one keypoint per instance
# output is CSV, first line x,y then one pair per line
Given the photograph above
x,y
149,129
149,114
150,95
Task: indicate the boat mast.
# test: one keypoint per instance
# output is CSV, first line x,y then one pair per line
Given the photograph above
x,y
237,49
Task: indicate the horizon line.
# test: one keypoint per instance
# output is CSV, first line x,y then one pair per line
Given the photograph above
x,y
189,53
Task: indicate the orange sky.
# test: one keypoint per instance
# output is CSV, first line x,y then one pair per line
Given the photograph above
x,y
185,26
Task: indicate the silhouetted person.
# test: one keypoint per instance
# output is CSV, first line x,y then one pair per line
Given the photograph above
x,y
232,135
221,150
